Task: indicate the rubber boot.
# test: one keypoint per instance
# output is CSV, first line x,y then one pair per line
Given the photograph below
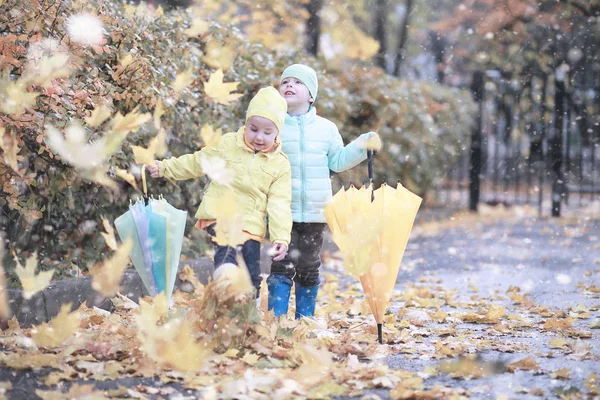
x,y
306,299
279,287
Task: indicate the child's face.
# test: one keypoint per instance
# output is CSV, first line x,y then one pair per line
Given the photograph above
x,y
295,93
261,132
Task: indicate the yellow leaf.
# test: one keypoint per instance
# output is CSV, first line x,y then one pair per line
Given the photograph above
x,y
126,176
45,71
99,115
157,147
74,149
209,136
526,364
160,12
16,98
199,27
557,343
592,383
187,274
182,351
232,281
342,38
130,122
10,147
183,80
109,235
232,353
316,364
61,328
31,282
106,277
219,56
159,111
466,368
555,324
216,169
562,373
125,61
172,343
219,91
250,359
230,222
4,307
98,175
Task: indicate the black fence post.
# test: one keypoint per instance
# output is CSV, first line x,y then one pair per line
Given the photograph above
x,y
556,143
476,139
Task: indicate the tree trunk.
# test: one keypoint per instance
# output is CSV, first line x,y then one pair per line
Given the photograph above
x,y
438,47
313,26
380,22
556,146
400,51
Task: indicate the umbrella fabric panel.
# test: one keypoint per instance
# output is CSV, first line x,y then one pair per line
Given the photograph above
x,y
157,243
175,231
126,229
142,226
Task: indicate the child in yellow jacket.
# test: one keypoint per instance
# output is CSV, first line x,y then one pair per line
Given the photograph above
x,y
262,185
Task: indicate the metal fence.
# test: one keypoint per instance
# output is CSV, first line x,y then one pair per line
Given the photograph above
x,y
536,141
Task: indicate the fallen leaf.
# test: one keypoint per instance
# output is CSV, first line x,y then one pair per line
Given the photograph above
x,y
557,343
216,169
59,329
157,148
109,235
183,80
592,383
198,27
99,115
107,276
562,373
219,91
526,364
219,56
126,176
209,136
31,282
131,122
9,145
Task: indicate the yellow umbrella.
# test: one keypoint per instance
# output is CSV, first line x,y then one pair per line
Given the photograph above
x,y
371,228
399,207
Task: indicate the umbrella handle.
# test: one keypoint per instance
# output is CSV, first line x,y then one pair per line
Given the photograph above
x,y
370,154
144,186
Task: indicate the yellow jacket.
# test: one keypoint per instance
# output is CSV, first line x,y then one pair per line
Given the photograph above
x,y
262,184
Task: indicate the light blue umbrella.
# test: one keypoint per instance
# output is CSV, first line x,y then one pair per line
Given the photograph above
x,y
127,228
157,229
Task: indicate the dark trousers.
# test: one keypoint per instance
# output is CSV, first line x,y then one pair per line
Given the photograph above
x,y
250,253
302,261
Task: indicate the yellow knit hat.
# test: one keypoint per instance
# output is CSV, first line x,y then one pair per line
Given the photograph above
x,y
268,103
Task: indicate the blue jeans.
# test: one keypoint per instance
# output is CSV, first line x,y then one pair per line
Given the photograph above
x,y
250,253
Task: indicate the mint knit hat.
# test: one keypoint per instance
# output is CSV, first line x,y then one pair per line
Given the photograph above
x,y
306,74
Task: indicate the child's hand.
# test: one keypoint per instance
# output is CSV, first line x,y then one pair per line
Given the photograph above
x,y
373,142
278,251
153,169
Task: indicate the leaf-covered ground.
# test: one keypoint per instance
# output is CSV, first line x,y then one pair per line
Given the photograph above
x,y
496,305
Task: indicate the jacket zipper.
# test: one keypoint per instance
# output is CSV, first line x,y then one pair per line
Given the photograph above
x,y
302,166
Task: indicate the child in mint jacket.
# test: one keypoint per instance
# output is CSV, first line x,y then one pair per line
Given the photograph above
x,y
261,186
313,146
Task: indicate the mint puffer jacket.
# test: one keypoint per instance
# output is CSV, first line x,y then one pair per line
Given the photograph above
x,y
314,146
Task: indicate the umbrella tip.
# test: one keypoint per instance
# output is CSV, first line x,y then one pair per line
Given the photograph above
x,y
380,333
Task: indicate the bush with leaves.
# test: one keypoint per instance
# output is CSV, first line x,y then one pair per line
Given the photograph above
x,y
145,81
